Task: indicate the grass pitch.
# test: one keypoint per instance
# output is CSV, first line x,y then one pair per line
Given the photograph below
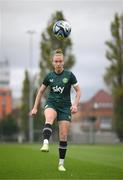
x,y
82,162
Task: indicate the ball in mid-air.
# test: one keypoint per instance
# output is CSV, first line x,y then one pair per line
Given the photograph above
x,y
61,29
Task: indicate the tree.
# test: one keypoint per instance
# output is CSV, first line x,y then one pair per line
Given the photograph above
x,y
25,106
49,43
114,73
38,122
8,127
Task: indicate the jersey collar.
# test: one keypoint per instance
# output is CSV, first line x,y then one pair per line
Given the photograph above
x,y
59,73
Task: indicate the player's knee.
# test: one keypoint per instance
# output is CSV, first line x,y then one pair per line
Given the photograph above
x,y
49,119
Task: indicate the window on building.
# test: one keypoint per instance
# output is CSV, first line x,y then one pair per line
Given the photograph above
x,y
106,123
103,105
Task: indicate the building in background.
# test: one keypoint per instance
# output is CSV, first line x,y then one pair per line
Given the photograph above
x,y
93,122
99,110
5,91
5,102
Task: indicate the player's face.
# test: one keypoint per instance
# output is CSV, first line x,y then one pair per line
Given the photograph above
x,y
58,62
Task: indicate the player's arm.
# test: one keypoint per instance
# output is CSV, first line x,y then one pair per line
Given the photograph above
x,y
74,107
38,99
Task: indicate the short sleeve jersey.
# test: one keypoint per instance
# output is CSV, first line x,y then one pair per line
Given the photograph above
x,y
60,86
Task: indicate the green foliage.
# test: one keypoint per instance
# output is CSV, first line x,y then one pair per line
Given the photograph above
x,y
38,122
8,126
25,105
114,73
118,112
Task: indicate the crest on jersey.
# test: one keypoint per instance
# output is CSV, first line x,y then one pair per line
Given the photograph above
x,y
65,80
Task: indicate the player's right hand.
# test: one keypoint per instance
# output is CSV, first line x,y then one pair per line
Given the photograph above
x,y
33,112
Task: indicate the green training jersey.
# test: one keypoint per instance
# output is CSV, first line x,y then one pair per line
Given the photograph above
x,y
60,86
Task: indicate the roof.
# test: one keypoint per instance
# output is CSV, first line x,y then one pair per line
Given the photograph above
x,y
5,92
100,98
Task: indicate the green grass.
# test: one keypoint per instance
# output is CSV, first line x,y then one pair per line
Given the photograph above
x,y
82,162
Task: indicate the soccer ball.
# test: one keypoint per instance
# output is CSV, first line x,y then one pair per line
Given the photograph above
x,y
61,29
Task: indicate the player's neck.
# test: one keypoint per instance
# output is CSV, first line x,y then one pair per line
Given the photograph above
x,y
59,71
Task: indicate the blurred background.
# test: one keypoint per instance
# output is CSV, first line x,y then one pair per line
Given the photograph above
x,y
93,52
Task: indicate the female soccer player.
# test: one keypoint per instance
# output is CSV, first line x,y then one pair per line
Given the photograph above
x,y
58,105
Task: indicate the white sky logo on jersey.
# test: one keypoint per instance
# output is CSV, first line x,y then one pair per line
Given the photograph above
x,y
58,89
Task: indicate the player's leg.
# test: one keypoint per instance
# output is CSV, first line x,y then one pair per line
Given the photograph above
x,y
50,116
63,134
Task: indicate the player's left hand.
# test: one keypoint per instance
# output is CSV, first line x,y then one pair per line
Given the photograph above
x,y
74,109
